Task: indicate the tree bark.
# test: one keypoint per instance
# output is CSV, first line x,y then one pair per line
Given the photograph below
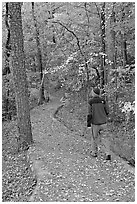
x,y
124,49
113,54
113,38
19,76
123,41
40,68
8,45
103,71
6,69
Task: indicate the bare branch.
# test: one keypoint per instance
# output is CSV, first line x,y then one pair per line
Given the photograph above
x,y
97,10
85,5
78,43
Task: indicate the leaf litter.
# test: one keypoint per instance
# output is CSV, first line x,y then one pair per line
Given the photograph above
x,y
18,180
73,175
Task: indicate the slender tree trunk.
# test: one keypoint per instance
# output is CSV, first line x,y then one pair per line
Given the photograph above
x,y
113,47
124,49
41,91
44,78
19,76
114,55
113,38
103,71
123,40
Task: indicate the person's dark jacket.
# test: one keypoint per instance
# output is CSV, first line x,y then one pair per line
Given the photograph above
x,y
97,111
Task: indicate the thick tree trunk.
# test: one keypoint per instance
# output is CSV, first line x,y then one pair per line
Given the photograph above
x,y
19,76
40,69
8,45
6,69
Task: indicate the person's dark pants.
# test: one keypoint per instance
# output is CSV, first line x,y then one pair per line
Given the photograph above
x,y
96,138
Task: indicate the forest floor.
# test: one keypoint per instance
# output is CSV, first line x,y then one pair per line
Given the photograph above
x,y
60,167
18,180
65,170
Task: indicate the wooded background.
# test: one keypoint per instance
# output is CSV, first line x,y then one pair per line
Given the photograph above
x,y
70,46
55,53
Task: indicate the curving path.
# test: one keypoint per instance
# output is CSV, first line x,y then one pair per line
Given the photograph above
x,y
66,172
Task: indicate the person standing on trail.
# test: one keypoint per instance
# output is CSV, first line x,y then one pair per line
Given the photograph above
x,y
97,120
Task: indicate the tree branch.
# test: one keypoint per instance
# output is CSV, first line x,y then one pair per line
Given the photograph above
x,y
78,43
85,5
97,10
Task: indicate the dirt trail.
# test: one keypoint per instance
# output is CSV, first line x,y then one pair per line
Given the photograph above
x,y
65,170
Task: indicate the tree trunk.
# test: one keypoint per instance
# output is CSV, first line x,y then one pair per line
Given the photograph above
x,y
88,85
123,40
8,45
44,78
19,76
113,38
124,49
113,49
103,78
41,92
113,58
6,69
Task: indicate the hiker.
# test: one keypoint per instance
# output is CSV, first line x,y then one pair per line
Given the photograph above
x,y
97,120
